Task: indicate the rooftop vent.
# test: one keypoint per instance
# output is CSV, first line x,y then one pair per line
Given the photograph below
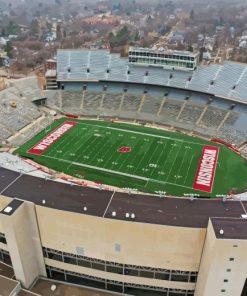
x,y
8,210
53,288
114,214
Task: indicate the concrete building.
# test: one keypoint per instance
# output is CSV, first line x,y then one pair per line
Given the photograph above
x,y
169,246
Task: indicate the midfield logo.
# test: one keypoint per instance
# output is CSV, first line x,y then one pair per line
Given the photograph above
x,y
124,150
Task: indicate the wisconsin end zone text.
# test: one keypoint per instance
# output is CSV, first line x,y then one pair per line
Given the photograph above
x,y
206,170
49,140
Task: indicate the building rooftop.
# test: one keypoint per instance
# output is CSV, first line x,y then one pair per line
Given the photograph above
x,y
147,209
162,50
232,228
6,270
7,286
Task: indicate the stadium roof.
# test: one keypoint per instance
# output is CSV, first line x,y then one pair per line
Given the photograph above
x,y
232,228
227,80
147,209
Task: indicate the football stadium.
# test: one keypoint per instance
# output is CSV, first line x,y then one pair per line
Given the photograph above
x,y
126,175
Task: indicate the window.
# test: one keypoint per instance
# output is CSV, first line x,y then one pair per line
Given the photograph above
x,y
117,248
228,270
162,276
70,260
147,274
118,268
3,239
180,277
225,281
54,256
231,259
114,269
98,266
222,290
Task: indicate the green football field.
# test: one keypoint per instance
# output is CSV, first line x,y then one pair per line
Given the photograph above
x,y
136,157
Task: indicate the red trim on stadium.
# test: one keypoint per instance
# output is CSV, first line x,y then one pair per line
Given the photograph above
x,y
225,144
52,138
205,174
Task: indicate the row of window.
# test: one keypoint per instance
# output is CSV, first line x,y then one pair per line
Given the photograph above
x,y
138,271
161,55
5,257
105,284
2,238
162,62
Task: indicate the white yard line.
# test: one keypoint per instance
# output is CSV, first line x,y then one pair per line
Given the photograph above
x,y
182,162
161,155
114,172
175,158
188,169
164,166
141,133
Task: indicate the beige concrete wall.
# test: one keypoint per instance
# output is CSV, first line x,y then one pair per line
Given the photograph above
x,y
4,201
149,245
24,245
121,278
214,265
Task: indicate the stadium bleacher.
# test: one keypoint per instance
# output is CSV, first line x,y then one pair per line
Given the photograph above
x,y
218,79
110,87
176,108
17,109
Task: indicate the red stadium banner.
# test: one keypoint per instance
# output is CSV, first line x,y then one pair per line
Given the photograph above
x,y
52,138
204,179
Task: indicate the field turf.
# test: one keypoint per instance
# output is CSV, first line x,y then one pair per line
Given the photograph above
x,y
156,160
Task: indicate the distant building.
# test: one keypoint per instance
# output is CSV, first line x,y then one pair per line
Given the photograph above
x,y
3,40
219,29
177,37
206,56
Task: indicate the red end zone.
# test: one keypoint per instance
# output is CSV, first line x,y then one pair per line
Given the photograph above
x,y
206,170
49,140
